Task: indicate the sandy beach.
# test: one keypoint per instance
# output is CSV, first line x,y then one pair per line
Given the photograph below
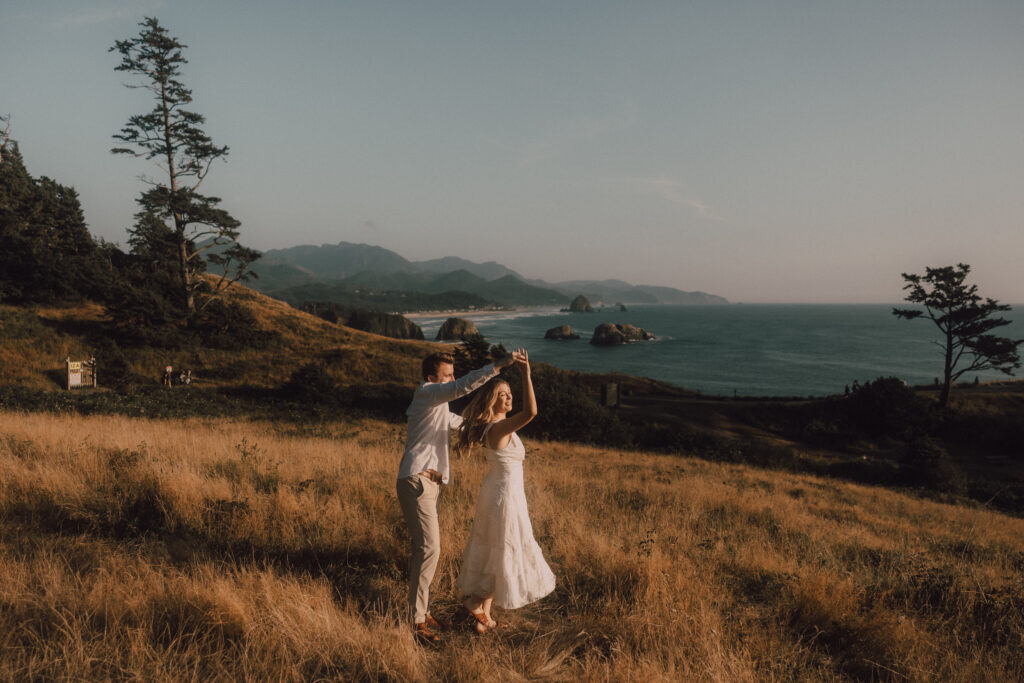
x,y
479,313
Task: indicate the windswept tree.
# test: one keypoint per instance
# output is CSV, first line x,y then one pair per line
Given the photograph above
x,y
171,136
965,320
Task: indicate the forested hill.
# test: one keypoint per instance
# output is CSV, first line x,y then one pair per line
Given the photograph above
x,y
337,267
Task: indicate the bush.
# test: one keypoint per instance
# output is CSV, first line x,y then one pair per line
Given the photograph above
x,y
224,325
926,463
311,384
568,411
888,407
112,369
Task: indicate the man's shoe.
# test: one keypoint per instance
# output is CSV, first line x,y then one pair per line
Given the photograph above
x,y
424,635
434,623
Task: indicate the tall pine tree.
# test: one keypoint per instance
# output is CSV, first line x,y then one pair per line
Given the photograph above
x,y
170,135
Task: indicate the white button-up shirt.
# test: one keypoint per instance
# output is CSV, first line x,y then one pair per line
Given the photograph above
x,y
426,438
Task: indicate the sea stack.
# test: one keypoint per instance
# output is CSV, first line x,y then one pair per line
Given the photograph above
x,y
457,329
581,305
613,334
561,332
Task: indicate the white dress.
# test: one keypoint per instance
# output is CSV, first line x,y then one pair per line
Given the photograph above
x,y
501,557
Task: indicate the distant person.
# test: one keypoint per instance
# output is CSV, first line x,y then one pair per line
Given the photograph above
x,y
424,468
502,563
167,375
188,377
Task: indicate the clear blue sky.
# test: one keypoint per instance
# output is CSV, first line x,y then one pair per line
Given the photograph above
x,y
763,151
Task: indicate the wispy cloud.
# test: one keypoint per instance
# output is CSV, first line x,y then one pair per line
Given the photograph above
x,y
579,130
550,146
670,190
92,13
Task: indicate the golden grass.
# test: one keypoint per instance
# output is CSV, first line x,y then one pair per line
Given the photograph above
x,y
34,343
227,550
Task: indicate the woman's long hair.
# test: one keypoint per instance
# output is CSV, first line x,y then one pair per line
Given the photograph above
x,y
477,415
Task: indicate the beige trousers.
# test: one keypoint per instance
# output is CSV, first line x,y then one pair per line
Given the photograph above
x,y
418,497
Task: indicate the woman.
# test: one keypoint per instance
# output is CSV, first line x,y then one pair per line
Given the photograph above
x,y
502,564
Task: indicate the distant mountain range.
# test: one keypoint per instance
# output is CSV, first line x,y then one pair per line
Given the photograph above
x,y
343,272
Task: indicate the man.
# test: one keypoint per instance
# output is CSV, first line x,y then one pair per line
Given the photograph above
x,y
425,467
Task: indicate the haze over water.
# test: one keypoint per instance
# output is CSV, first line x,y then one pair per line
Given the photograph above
x,y
750,349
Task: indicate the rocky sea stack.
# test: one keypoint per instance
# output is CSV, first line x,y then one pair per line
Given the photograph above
x,y
561,332
457,329
581,305
613,334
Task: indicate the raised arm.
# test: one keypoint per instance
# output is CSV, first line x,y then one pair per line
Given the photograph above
x,y
498,436
438,393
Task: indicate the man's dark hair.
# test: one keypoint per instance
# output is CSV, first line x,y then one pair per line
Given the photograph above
x,y
432,363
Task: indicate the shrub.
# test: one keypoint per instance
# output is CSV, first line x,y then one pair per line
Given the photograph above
x,y
311,383
888,407
926,463
112,369
224,325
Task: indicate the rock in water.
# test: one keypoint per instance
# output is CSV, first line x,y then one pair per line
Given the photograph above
x,y
613,334
581,305
561,332
457,329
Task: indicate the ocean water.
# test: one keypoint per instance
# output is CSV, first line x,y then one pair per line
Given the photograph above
x,y
739,349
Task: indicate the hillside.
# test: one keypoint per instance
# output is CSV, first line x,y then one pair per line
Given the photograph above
x,y
376,299
185,533
35,341
885,434
335,265
238,549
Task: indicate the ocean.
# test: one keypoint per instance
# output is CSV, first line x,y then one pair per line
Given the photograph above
x,y
739,349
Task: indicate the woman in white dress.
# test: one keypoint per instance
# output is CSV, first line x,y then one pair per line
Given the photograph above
x,y
502,564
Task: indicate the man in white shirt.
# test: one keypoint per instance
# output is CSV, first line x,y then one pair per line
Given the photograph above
x,y
425,467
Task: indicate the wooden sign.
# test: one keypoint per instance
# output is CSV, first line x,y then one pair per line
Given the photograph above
x,y
81,373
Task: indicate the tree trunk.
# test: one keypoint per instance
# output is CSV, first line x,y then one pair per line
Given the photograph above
x,y
187,297
947,371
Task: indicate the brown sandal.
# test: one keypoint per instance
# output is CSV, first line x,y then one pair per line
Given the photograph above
x,y
481,626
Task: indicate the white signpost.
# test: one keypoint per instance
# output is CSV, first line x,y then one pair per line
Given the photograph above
x,y
81,373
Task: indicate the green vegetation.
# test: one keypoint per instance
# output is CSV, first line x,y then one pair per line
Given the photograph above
x,y
46,252
356,296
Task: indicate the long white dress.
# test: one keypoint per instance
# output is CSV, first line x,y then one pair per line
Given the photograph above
x,y
501,557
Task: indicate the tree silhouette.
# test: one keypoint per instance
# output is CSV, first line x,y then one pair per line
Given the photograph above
x,y
171,136
965,320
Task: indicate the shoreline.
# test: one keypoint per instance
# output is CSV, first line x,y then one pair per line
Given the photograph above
x,y
478,313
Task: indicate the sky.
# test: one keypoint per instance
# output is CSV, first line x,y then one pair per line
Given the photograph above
x,y
763,151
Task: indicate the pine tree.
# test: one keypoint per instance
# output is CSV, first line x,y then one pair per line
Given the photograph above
x,y
172,137
46,252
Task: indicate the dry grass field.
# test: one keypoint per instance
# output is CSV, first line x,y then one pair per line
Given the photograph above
x,y
231,550
35,341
